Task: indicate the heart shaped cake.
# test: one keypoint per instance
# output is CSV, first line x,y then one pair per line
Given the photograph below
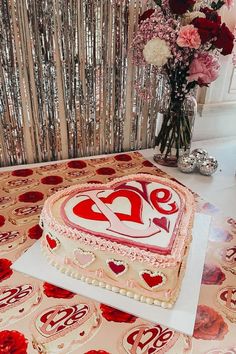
x,y
131,235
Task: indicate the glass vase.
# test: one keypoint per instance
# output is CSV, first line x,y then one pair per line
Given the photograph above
x,y
175,123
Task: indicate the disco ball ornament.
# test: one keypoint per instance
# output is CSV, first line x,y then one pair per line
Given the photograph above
x,y
200,155
187,163
208,166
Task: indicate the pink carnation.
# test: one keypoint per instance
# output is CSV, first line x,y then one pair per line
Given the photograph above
x,y
189,37
229,3
204,69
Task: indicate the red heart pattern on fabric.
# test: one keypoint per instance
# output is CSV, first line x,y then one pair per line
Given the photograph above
x,y
153,279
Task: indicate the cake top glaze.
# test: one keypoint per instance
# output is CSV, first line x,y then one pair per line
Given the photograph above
x,y
141,211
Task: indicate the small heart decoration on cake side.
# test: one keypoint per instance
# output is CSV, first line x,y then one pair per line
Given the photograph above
x,y
153,279
117,267
52,242
83,258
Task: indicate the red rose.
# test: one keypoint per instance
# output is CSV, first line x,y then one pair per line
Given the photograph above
x,y
96,352
56,292
212,275
52,180
105,171
147,163
35,232
111,314
123,157
209,324
5,270
225,40
179,7
207,29
31,197
211,15
147,14
2,220
77,164
22,173
12,342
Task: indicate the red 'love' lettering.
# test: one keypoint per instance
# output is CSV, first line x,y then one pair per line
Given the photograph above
x,y
228,297
58,319
8,235
148,340
11,296
156,200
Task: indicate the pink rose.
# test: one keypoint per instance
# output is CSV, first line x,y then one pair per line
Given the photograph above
x,y
189,37
209,324
212,275
229,3
204,69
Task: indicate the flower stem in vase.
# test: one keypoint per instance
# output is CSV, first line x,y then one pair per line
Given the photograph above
x,y
182,41
174,137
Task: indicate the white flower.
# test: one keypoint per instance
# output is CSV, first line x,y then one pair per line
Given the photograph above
x,y
156,52
188,17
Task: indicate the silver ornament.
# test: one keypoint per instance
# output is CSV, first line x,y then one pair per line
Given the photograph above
x,y
208,166
200,154
187,163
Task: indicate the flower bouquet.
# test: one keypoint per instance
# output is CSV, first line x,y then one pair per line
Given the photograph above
x,y
182,40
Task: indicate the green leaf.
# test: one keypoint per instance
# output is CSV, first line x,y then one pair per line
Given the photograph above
x,y
213,5
217,5
158,2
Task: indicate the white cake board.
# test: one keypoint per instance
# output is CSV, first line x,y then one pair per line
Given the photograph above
x,y
181,317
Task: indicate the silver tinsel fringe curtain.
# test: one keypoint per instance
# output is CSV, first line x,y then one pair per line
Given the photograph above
x,y
67,80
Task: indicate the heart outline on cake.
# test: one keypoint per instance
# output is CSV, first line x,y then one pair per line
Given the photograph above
x,y
153,280
83,258
117,267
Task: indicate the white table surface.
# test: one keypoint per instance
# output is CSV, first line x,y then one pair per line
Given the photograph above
x,y
218,189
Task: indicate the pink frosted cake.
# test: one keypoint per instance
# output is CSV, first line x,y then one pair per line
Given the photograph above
x,y
129,236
